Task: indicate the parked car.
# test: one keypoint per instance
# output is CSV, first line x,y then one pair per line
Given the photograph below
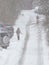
x,y
6,33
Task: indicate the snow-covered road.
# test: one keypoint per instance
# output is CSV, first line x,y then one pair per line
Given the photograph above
x,y
36,52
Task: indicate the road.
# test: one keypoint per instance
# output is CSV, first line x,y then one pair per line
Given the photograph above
x,y
26,51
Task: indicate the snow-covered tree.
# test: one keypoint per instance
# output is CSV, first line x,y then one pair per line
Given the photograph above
x,y
43,6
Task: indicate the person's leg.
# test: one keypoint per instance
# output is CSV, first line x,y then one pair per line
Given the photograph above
x,y
18,37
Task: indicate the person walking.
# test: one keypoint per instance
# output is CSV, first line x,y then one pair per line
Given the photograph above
x,y
18,33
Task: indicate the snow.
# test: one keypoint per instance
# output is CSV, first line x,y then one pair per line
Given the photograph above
x,y
36,52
